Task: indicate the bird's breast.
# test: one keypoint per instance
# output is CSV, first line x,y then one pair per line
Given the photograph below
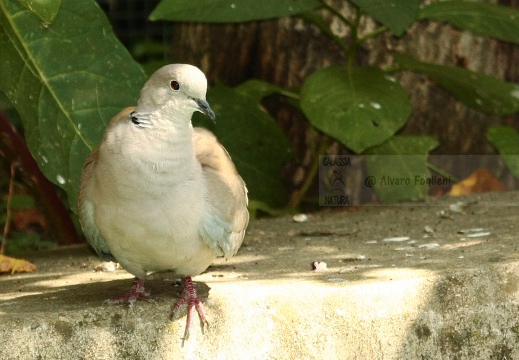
x,y
148,203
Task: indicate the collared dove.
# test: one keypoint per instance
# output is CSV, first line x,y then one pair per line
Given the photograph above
x,y
158,194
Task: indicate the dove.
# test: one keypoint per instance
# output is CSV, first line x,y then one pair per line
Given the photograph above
x,y
159,194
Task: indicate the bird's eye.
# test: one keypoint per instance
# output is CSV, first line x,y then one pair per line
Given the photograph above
x,y
174,85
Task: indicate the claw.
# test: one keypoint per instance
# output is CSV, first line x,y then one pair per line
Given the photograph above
x,y
190,296
136,292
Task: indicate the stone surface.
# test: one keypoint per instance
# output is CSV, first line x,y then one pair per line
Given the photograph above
x,y
420,281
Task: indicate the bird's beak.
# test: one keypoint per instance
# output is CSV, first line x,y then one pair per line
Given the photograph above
x,y
204,107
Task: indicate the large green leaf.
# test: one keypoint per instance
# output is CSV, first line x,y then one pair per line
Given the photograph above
x,y
398,168
396,15
255,142
360,107
483,18
506,140
46,10
66,80
482,92
228,11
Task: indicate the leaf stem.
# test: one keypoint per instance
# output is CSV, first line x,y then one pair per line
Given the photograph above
x,y
374,33
289,94
314,18
7,224
298,195
352,53
338,14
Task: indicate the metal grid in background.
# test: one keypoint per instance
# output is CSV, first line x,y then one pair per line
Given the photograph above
x,y
148,41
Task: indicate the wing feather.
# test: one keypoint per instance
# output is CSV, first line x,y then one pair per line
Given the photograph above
x,y
224,224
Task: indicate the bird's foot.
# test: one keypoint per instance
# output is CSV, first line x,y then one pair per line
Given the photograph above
x,y
136,292
190,296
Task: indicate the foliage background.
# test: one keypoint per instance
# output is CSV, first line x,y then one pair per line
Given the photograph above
x,y
66,74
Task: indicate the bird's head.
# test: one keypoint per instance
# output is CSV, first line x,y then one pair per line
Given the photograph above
x,y
176,87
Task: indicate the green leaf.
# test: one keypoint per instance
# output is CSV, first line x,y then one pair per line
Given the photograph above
x,y
46,10
20,243
258,89
257,146
501,22
399,168
485,93
506,140
397,15
229,11
22,202
66,80
360,107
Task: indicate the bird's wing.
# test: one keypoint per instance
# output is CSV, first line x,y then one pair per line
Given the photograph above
x,y
223,225
85,207
86,212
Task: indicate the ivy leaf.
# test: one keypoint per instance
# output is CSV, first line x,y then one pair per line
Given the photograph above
x,y
360,107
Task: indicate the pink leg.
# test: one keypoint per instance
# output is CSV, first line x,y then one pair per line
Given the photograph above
x,y
136,292
193,301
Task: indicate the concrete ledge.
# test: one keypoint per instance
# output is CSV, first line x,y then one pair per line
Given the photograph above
x,y
450,291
